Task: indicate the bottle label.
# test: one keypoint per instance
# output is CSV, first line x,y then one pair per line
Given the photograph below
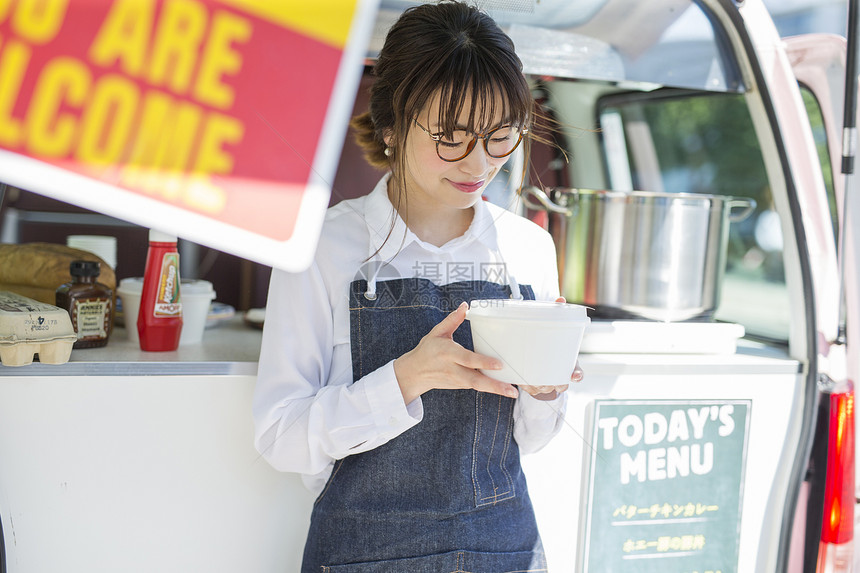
x,y
167,303
91,317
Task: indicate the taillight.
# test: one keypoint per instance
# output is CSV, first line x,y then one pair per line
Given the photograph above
x,y
836,550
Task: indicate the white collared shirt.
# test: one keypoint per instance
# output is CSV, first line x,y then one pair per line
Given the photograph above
x,y
308,412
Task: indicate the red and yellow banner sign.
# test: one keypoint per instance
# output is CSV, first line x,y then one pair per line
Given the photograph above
x,y
218,121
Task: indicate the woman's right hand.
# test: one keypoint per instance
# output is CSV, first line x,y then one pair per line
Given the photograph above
x,y
440,362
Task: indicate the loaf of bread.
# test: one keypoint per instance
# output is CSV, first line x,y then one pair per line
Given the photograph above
x,y
36,270
42,294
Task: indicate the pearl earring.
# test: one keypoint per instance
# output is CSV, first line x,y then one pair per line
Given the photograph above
x,y
387,152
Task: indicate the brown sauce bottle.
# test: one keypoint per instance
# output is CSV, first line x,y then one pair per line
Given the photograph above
x,y
89,304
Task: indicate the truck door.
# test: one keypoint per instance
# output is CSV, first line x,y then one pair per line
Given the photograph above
x,y
818,62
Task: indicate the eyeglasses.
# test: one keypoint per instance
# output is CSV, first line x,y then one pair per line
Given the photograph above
x,y
498,143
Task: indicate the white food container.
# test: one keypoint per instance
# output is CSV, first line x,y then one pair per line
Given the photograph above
x,y
29,327
537,342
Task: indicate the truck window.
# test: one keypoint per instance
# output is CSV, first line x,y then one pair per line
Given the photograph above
x,y
683,142
819,134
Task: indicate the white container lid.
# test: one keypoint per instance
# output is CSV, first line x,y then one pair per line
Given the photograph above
x,y
527,310
194,287
131,285
156,236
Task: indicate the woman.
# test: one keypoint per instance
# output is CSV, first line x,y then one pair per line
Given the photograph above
x,y
367,384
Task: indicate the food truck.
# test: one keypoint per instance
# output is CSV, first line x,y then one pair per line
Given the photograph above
x,y
701,206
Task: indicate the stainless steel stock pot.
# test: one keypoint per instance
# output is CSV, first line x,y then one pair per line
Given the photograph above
x,y
658,256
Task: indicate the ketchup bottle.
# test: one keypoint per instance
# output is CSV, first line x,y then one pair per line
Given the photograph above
x,y
159,320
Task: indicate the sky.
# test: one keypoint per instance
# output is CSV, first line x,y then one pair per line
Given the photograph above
x,y
806,16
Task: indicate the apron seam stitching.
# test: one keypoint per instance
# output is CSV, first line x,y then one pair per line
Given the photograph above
x,y
508,434
475,482
336,468
492,450
360,346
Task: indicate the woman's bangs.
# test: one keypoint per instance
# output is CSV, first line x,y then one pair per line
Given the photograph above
x,y
493,99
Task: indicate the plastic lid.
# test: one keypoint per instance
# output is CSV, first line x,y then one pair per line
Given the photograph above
x,y
131,285
85,268
156,236
527,310
195,286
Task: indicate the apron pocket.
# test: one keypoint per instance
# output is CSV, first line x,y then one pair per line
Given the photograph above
x,y
495,456
452,562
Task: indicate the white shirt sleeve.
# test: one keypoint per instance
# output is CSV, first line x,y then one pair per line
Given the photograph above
x,y
307,410
536,422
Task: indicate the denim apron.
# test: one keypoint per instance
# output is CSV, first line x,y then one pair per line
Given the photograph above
x,y
448,495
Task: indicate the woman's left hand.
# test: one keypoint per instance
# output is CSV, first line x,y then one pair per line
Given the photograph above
x,y
552,392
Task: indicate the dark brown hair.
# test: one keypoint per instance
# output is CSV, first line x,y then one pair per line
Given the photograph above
x,y
450,49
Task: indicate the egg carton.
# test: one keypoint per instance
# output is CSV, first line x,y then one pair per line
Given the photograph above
x,y
29,327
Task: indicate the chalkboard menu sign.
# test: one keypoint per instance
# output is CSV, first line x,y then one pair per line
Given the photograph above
x,y
665,486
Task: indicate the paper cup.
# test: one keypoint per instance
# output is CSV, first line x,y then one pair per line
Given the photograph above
x,y
196,296
537,342
129,293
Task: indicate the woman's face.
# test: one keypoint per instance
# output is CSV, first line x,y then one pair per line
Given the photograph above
x,y
443,184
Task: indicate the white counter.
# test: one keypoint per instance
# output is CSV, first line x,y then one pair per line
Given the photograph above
x,y
229,348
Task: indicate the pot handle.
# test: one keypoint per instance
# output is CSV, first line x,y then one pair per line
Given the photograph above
x,y
748,207
546,204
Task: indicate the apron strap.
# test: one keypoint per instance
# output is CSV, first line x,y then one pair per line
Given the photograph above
x,y
515,287
370,293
